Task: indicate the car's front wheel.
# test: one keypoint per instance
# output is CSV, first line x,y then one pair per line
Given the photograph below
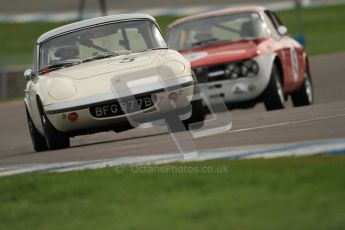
x,y
305,95
273,96
38,141
54,138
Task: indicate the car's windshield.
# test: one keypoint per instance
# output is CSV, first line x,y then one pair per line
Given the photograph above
x,y
225,28
98,42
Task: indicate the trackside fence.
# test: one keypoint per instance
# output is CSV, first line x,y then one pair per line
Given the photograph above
x,y
12,83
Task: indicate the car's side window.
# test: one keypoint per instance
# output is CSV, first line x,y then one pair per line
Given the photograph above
x,y
34,67
277,19
274,19
270,23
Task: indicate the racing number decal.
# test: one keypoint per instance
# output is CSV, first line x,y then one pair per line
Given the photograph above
x,y
294,63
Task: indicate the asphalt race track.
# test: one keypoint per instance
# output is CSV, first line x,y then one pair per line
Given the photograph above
x,y
323,121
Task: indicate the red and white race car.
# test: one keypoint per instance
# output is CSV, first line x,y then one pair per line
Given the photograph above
x,y
245,56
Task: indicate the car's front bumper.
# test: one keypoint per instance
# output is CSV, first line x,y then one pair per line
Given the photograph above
x,y
58,113
232,91
242,89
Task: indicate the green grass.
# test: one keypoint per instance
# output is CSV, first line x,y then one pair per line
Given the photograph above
x,y
18,40
284,193
324,29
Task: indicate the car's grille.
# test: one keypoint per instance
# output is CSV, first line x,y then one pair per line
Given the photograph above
x,y
119,107
217,73
221,72
211,73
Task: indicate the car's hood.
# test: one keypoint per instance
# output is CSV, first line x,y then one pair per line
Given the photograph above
x,y
221,53
142,72
109,65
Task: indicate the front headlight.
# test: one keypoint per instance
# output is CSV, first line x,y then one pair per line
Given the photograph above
x,y
61,89
233,70
172,69
248,68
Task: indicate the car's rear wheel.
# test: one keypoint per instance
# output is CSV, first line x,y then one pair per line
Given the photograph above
x,y
38,141
273,96
305,95
198,115
54,138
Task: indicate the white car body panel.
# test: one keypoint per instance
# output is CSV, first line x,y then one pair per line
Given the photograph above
x,y
98,87
75,88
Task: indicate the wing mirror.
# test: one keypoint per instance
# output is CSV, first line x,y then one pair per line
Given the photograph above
x,y
29,74
282,30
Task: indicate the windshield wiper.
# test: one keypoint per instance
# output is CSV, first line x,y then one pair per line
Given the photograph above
x,y
59,65
205,42
106,55
156,48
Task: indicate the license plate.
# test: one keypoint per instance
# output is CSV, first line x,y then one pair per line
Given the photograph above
x,y
118,108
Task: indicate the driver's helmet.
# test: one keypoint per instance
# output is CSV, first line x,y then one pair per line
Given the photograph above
x,y
252,28
201,33
67,50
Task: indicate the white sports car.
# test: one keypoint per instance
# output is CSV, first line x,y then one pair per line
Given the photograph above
x,y
102,74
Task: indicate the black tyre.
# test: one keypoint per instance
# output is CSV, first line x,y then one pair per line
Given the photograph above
x,y
38,141
305,95
273,96
54,138
197,117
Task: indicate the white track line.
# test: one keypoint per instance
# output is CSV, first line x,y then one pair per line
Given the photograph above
x,y
247,152
288,123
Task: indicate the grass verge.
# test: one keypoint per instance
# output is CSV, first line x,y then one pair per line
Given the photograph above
x,y
323,29
283,193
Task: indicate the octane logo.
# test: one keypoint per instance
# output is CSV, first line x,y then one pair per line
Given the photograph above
x,y
167,110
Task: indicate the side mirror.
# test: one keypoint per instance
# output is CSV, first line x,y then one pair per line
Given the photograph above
x,y
28,74
282,30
